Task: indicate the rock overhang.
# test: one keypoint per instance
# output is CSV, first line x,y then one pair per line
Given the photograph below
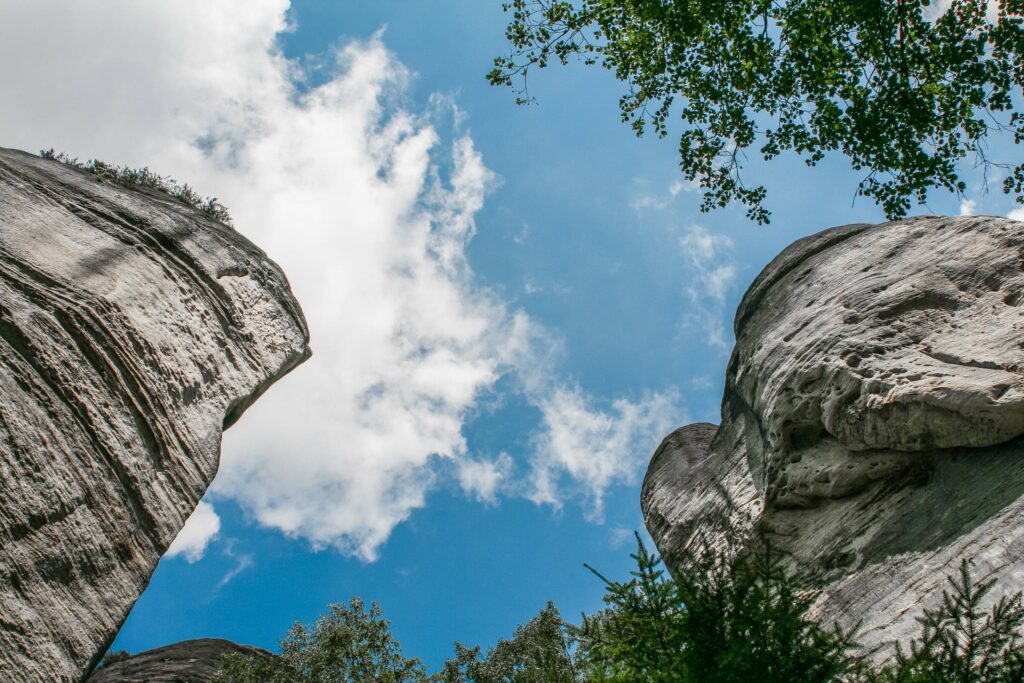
x,y
872,416
133,330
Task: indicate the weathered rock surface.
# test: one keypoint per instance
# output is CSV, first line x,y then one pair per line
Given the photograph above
x,y
872,420
190,661
133,330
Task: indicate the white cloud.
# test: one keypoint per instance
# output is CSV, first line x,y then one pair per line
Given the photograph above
x,y
713,277
1016,214
367,210
703,382
620,537
404,343
648,200
521,236
719,280
530,287
200,528
242,561
704,247
968,207
483,478
583,450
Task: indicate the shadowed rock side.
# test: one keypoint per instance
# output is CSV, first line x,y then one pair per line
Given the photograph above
x,y
718,491
872,418
133,330
190,661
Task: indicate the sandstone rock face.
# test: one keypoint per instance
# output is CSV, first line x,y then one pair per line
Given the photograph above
x,y
190,661
133,330
872,420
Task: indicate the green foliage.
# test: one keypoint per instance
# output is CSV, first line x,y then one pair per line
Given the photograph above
x,y
142,177
240,667
539,652
639,636
904,93
962,643
724,617
349,643
115,656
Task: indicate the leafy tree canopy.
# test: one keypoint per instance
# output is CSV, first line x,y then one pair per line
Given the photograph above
x,y
539,652
723,616
349,643
906,90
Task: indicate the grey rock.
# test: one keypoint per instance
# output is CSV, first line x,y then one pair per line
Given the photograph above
x,y
872,419
190,661
133,330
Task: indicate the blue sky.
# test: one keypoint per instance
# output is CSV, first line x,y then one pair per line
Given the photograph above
x,y
560,305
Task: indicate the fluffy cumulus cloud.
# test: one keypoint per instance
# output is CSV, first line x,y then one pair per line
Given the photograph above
x,y
484,479
585,449
404,343
200,528
369,212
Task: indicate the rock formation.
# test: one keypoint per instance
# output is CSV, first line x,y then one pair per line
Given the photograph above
x,y
872,419
190,661
133,330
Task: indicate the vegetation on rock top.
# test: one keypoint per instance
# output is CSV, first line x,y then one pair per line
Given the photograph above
x,y
143,177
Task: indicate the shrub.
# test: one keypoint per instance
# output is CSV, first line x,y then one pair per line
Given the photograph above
x,y
960,642
724,617
541,651
349,643
115,656
142,177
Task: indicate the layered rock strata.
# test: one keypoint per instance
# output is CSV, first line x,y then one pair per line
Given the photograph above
x,y
190,661
133,330
872,419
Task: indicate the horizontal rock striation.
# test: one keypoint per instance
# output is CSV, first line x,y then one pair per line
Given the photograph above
x,y
190,661
872,420
133,330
